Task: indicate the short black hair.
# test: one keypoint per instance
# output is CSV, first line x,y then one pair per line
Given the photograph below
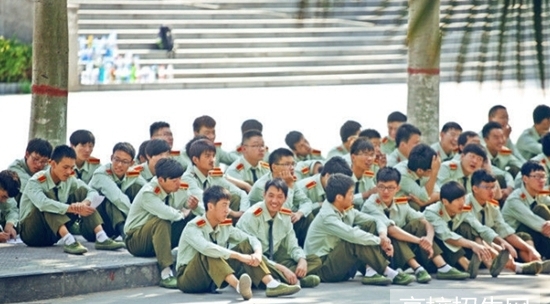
x,y
251,124
464,136
450,126
141,150
41,146
249,134
405,132
359,145
488,127
476,149
335,165
197,146
292,138
125,147
203,121
349,128
451,191
62,151
157,126
337,184
480,176
397,117
531,166
370,133
421,157
156,146
540,113
277,154
81,137
493,110
388,174
214,194
545,142
278,183
168,168
9,181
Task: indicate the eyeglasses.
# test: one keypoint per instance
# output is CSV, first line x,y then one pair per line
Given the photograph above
x,y
367,154
39,160
488,187
255,146
293,164
538,176
384,188
121,161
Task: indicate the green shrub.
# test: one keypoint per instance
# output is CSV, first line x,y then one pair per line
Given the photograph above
x,y
15,61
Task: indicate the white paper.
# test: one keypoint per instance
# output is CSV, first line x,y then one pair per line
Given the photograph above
x,y
15,241
96,201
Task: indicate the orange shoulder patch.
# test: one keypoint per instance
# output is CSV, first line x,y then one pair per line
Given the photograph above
x,y
132,173
440,212
240,166
264,164
174,153
340,149
401,200
157,190
285,211
494,203
138,168
94,161
218,144
316,152
240,149
215,173
544,192
201,223
184,186
453,166
311,184
467,208
349,208
258,211
109,171
227,222
368,173
378,201
42,178
385,140
505,151
73,173
305,170
523,196
543,161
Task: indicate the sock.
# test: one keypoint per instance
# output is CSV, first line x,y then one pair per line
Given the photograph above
x,y
519,269
273,284
370,272
390,273
101,236
237,289
419,269
445,268
68,239
166,273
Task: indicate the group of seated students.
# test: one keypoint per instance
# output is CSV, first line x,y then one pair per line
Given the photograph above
x,y
291,218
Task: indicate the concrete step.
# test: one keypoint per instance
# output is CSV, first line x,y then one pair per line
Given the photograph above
x,y
187,14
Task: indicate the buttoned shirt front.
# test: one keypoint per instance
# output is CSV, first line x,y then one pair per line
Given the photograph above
x,y
399,212
517,209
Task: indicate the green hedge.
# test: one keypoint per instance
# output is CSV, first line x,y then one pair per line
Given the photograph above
x,y
15,61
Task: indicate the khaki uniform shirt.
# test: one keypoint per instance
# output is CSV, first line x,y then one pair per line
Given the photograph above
x,y
296,199
198,236
493,217
409,185
544,162
20,167
314,155
387,145
242,169
255,222
503,159
305,169
41,184
198,183
528,143
517,209
9,211
113,188
395,158
238,153
151,202
452,171
444,156
145,171
87,170
509,144
400,211
362,184
222,157
337,151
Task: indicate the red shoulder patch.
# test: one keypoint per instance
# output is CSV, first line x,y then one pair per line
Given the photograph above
x,y
453,166
174,153
184,186
73,173
440,212
467,208
94,161
398,159
340,149
401,200
258,211
227,222
316,152
132,173
311,184
285,211
138,168
505,151
157,190
544,192
215,173
543,161
201,223
494,203
349,208
368,173
305,170
218,144
109,171
264,164
240,149
523,196
42,178
385,140
240,166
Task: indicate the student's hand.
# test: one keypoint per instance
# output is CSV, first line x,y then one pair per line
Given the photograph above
x,y
296,216
436,163
288,177
192,202
381,159
301,268
546,229
256,259
4,237
482,252
289,275
425,244
511,250
386,245
507,131
533,254
81,209
185,212
10,230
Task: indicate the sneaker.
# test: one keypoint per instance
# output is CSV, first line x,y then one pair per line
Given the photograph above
x,y
310,281
403,279
109,245
282,290
545,266
473,268
453,274
170,282
376,279
75,248
245,286
531,268
499,263
423,277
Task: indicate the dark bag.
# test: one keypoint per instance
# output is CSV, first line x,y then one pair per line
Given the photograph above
x,y
166,40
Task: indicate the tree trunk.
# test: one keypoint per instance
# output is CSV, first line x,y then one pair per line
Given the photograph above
x,y
50,72
423,72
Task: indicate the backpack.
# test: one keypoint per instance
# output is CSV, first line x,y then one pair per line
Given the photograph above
x,y
165,38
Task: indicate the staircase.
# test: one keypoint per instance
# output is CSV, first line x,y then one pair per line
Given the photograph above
x,y
260,43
